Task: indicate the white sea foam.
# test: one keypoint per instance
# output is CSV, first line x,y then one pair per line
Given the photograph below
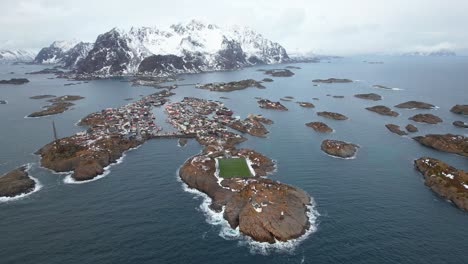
x,y
37,187
226,232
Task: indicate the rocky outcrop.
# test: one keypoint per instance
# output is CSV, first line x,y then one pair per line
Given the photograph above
x,y
332,115
16,182
415,105
457,144
168,64
267,80
460,124
369,96
382,87
86,162
267,104
383,110
231,86
395,129
460,109
59,104
426,118
251,125
306,104
263,209
320,127
279,73
339,148
43,96
332,80
445,180
14,81
411,128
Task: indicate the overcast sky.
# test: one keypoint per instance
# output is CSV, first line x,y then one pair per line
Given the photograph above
x,y
341,27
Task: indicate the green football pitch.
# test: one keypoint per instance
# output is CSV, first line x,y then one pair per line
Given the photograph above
x,y
233,167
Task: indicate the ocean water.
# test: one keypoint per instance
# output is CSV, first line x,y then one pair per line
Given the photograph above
x,y
371,209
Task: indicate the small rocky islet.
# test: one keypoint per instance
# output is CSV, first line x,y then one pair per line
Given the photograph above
x,y
16,182
415,105
460,124
369,96
395,129
320,127
58,104
332,80
231,86
15,81
306,104
460,109
382,110
426,118
267,104
339,148
451,143
411,128
445,180
279,72
332,115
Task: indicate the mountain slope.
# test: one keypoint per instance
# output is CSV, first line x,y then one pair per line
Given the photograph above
x,y
183,48
17,55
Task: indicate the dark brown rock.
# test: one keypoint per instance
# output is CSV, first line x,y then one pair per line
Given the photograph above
x,y
267,104
460,109
267,80
383,110
339,148
445,180
426,118
395,129
320,127
14,81
457,144
411,128
460,124
16,182
45,96
306,104
369,96
332,115
332,80
415,105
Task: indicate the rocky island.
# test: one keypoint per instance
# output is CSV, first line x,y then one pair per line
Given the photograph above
x,y
252,125
426,118
339,149
320,127
263,209
332,115
14,81
59,105
395,129
382,87
457,144
415,105
383,110
267,104
369,96
460,124
460,109
267,80
411,128
279,73
445,180
306,104
16,182
43,96
231,86
3,102
332,80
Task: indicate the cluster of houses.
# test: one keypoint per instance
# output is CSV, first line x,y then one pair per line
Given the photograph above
x,y
205,118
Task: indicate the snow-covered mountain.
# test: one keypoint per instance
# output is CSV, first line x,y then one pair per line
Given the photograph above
x,y
183,48
55,52
17,55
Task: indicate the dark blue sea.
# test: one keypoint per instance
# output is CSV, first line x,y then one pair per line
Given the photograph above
x,y
371,209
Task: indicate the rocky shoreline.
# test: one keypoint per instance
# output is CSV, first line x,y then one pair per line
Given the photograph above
x,y
457,144
332,80
445,180
59,104
339,148
382,110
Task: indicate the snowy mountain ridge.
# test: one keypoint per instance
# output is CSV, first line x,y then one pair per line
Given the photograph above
x,y
17,55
